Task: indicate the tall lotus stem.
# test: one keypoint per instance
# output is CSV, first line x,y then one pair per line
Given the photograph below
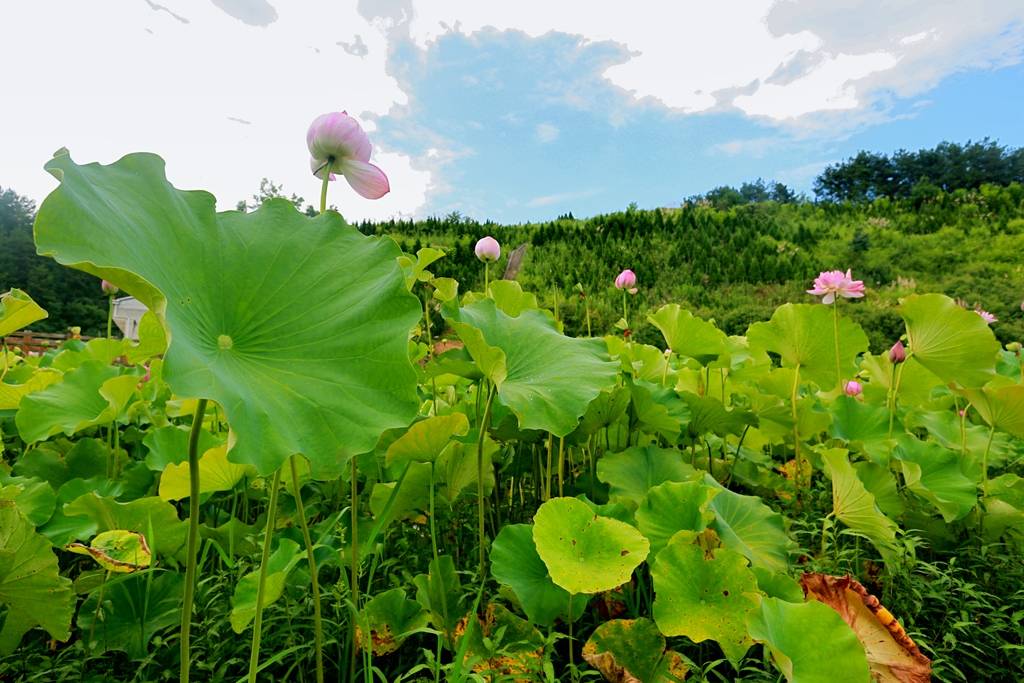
x,y
354,564
193,539
318,630
796,431
835,331
482,536
323,187
261,586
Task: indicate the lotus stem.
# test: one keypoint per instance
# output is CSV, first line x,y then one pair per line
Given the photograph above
x,y
835,331
323,187
193,538
261,586
482,536
318,630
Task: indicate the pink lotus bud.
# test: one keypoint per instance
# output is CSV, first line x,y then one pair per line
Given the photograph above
x,y
337,139
962,412
897,354
853,388
109,288
487,249
626,280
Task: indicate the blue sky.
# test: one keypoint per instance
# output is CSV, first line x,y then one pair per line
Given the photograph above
x,y
508,111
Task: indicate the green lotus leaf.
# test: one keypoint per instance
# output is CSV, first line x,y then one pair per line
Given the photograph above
x,y
934,473
631,473
117,551
152,517
427,438
702,598
880,482
688,335
18,310
945,428
749,527
387,620
297,327
243,602
810,642
544,377
607,408
502,646
101,349
633,650
439,591
508,296
168,445
804,335
658,409
412,497
709,415
458,468
135,608
775,585
854,506
34,497
864,425
416,269
586,553
216,473
674,506
1001,405
92,394
30,587
152,339
916,381
12,394
954,343
516,564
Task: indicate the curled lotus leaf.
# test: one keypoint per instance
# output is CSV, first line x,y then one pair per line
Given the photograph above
x,y
954,343
18,310
633,651
892,656
296,326
387,620
117,550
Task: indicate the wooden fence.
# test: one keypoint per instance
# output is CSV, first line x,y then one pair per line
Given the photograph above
x,y
38,342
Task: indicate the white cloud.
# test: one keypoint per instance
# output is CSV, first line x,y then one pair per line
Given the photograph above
x,y
754,147
112,78
697,56
560,198
547,132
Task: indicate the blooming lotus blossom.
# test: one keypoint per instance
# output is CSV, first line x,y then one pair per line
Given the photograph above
x,y
853,388
338,141
487,249
626,280
832,283
897,354
986,316
109,288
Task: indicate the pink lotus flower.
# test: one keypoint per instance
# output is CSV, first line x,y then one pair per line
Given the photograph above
x,y
109,288
986,316
832,283
853,388
626,280
897,354
338,141
487,249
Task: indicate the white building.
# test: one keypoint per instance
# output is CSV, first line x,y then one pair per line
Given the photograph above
x,y
128,312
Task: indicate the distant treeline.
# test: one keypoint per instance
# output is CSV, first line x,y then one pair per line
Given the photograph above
x,y
945,219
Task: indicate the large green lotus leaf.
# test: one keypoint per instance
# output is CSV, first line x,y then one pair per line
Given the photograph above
x,y
916,381
152,339
12,394
671,507
865,425
135,608
427,438
688,335
152,517
584,552
709,415
100,349
631,473
296,326
954,343
810,642
880,481
30,587
934,473
854,506
410,499
1001,405
516,564
243,602
34,497
439,591
92,394
168,445
216,473
509,296
458,467
658,409
388,619
804,335
544,377
606,409
750,527
704,599
18,310
633,650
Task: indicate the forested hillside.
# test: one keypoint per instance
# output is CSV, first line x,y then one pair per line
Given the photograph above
x,y
947,219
